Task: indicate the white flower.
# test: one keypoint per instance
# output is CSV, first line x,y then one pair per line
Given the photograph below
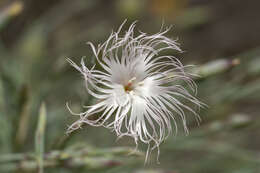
x,y
139,93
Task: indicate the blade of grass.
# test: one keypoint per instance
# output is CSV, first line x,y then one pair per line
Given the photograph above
x,y
24,118
39,138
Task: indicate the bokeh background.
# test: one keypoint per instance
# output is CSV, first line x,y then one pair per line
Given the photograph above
x,y
221,37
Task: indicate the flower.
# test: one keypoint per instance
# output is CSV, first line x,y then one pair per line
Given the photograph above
x,y
139,92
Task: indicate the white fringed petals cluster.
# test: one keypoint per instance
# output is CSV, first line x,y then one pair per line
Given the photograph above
x,y
138,92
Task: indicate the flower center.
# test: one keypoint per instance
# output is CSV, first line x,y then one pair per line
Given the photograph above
x,y
129,86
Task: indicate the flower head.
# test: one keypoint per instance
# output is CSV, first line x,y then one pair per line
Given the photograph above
x,y
138,91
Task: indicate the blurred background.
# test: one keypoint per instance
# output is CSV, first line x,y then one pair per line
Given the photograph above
x,y
221,37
